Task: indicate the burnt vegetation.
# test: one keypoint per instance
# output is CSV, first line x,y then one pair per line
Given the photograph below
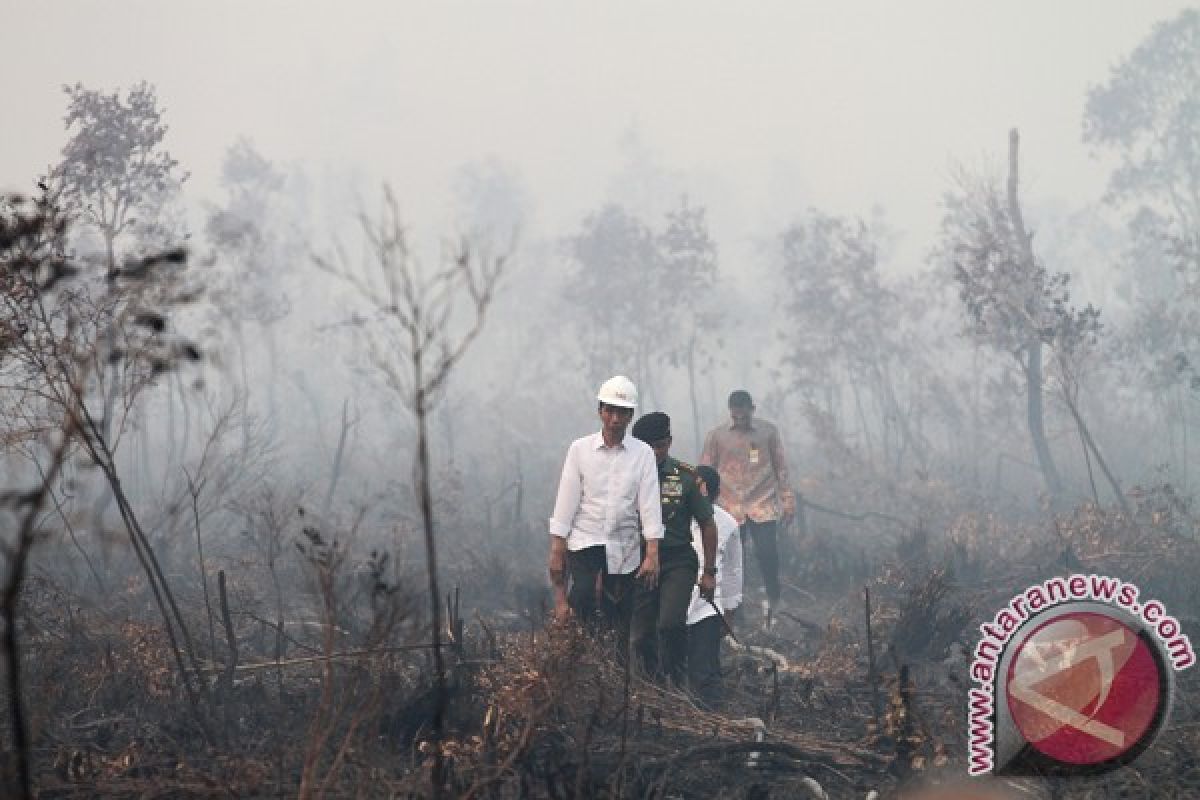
x,y
212,585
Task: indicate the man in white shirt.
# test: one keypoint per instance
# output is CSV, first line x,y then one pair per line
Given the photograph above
x,y
607,504
705,628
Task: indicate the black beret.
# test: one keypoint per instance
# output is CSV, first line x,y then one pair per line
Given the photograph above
x,y
652,427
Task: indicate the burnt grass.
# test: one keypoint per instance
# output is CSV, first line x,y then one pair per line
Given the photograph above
x,y
542,711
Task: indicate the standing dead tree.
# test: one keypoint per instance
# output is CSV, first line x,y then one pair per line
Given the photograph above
x,y
27,506
63,325
1010,298
1018,306
424,323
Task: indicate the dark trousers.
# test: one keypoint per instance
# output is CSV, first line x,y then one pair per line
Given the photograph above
x,y
600,601
660,614
704,660
763,537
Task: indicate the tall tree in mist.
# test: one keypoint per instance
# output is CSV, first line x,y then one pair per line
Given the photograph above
x,y
116,172
1147,114
117,180
643,296
689,273
1013,302
423,323
246,234
616,260
62,324
845,321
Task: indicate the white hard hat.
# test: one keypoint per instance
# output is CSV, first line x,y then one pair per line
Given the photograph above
x,y
618,391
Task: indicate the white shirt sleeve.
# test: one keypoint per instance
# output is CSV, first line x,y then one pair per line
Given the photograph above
x,y
730,573
570,489
649,500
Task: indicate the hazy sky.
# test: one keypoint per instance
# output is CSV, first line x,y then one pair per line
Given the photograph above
x,y
842,105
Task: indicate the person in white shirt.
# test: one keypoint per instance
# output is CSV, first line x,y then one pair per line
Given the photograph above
x,y
607,505
705,627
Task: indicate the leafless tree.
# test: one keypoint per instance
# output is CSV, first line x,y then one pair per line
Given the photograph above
x,y
62,325
1019,306
1008,294
416,337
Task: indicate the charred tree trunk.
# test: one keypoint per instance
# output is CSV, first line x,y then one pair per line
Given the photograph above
x,y
186,432
1033,351
425,499
339,454
1090,444
1034,380
10,599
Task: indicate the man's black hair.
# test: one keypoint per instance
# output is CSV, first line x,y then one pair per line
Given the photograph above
x,y
712,481
740,398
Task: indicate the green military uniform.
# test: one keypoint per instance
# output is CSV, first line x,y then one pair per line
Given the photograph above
x,y
660,614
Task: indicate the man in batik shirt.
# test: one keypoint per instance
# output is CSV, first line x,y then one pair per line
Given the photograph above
x,y
748,454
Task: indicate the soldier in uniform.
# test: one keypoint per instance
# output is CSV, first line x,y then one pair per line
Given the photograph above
x,y
660,612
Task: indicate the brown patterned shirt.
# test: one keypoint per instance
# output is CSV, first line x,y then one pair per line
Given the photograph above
x,y
754,475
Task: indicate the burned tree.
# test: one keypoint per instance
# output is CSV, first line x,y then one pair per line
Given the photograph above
x,y
62,324
415,342
245,233
1008,295
847,331
1018,306
617,264
689,257
641,293
1147,116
